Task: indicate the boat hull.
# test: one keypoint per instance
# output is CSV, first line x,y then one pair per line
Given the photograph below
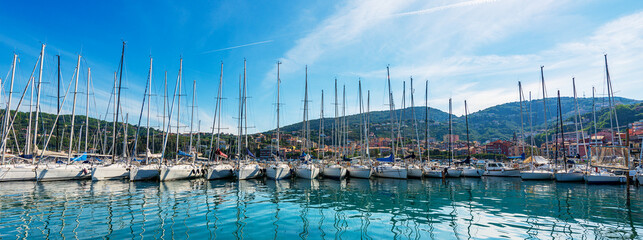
x,y
111,172
640,179
569,177
472,173
502,173
307,173
398,173
604,179
536,175
219,172
61,173
414,173
360,172
144,173
17,173
278,172
248,173
178,172
432,172
454,173
336,173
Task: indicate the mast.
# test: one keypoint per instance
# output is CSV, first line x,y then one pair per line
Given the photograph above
x,y
362,131
164,130
147,132
368,108
343,129
321,127
336,127
178,110
278,103
610,96
217,116
594,111
245,105
542,77
73,112
118,102
305,117
28,136
450,134
522,135
580,121
42,59
5,127
192,117
399,125
58,139
426,121
125,135
391,109
466,120
415,125
562,131
89,75
531,127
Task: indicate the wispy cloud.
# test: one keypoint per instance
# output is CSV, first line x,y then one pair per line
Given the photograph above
x,y
238,46
444,7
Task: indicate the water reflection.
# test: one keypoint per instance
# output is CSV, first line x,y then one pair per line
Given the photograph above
x,y
300,208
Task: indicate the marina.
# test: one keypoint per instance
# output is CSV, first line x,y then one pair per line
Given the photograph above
x,y
378,208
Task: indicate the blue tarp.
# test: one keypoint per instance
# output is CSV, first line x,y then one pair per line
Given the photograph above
x,y
181,153
249,153
80,158
386,159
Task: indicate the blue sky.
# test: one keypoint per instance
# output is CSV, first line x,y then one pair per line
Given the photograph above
x,y
470,49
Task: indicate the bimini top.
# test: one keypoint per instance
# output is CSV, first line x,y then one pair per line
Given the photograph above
x,y
386,159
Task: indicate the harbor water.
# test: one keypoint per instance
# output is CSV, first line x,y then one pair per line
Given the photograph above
x,y
487,208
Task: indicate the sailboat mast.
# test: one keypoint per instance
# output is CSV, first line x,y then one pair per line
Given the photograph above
x,y
610,96
562,131
216,117
450,133
28,136
245,105
531,126
391,109
542,77
178,109
580,121
147,132
522,135
415,125
321,127
192,115
125,128
366,134
73,112
278,105
5,127
426,121
362,131
336,127
344,136
304,146
466,121
42,59
117,103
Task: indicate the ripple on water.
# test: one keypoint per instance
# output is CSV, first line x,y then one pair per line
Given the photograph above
x,y
486,208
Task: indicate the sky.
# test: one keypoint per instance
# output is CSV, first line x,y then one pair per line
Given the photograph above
x,y
474,50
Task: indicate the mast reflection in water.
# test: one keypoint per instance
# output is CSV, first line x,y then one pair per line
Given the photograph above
x,y
318,209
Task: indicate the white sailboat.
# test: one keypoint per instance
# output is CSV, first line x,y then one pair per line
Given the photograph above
x,y
359,169
66,171
218,169
539,167
115,170
387,167
278,169
451,170
334,169
246,168
469,170
569,172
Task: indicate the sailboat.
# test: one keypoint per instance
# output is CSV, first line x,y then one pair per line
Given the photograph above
x,y
219,169
359,169
116,170
279,169
334,169
307,169
470,170
539,168
452,171
20,171
570,172
246,168
71,169
386,167
179,169
607,158
431,169
414,170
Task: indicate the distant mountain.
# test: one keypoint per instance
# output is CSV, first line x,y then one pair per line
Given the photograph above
x,y
497,122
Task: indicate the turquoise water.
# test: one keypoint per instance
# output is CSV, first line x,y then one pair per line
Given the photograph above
x,y
487,208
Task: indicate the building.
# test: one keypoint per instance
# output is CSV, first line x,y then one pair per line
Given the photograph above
x,y
499,147
454,137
